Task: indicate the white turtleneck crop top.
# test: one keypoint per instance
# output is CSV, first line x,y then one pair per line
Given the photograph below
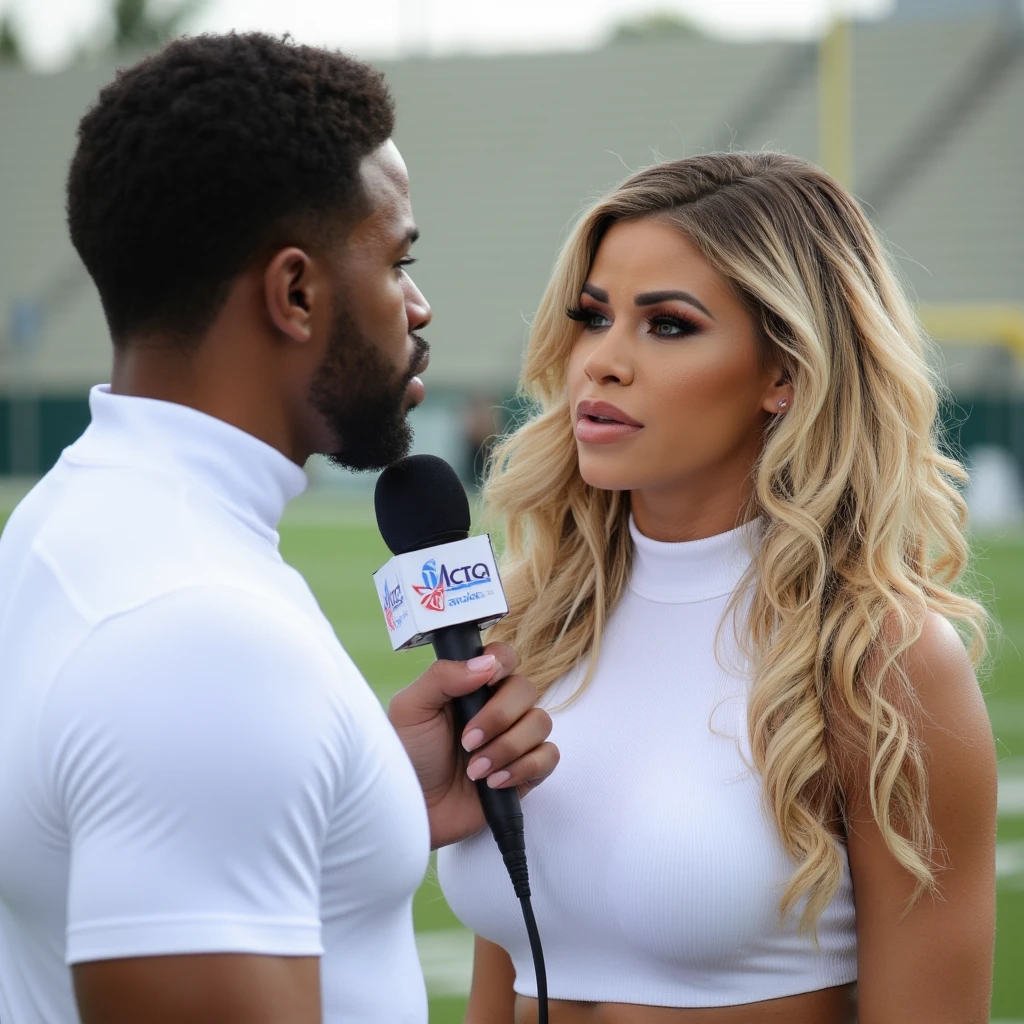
x,y
655,867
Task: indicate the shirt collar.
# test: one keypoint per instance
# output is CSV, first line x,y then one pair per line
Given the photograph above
x,y
690,571
252,479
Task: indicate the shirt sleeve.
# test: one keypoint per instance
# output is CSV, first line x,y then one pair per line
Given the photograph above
x,y
197,744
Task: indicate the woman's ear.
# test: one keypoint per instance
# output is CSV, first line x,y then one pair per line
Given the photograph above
x,y
778,398
291,288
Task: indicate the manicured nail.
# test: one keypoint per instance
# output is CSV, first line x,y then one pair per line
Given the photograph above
x,y
479,768
473,739
484,663
498,779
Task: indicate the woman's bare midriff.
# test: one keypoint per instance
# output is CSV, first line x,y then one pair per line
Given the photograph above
x,y
827,1006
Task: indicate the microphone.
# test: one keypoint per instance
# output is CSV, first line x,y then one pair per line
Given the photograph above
x,y
421,506
442,588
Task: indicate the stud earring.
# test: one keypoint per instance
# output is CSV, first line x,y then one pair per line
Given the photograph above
x,y
783,405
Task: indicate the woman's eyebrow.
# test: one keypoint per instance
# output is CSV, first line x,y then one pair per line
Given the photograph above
x,y
653,298
594,292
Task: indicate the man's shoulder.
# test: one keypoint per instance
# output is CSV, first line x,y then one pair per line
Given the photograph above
x,y
117,540
192,656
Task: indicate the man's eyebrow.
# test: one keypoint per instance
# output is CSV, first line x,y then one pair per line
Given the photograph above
x,y
411,236
652,298
594,292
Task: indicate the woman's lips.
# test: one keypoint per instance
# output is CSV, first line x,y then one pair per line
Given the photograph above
x,y
603,423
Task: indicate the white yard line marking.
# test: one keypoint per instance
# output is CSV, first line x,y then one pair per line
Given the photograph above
x,y
1011,788
1010,862
447,960
1011,797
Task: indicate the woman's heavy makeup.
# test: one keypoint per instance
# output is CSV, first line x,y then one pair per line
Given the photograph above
x,y
669,387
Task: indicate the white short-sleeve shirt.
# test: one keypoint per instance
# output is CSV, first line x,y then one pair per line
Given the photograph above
x,y
189,761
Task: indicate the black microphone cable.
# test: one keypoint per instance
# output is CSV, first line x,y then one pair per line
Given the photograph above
x,y
420,503
504,815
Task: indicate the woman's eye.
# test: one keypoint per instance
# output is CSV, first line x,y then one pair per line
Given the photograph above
x,y
405,263
591,319
671,327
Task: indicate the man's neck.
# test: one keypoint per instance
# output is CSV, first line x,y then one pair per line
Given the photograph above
x,y
209,380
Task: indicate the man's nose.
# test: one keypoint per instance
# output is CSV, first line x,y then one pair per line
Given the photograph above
x,y
417,309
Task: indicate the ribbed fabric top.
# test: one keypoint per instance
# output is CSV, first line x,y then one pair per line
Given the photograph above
x,y
697,570
655,868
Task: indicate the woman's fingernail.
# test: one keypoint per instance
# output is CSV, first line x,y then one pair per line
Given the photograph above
x,y
498,779
479,768
482,664
473,739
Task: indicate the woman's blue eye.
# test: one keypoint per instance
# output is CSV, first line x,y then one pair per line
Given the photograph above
x,y
588,317
672,327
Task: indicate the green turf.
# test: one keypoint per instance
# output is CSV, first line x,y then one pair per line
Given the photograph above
x,y
1000,566
338,560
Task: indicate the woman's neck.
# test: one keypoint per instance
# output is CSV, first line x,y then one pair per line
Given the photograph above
x,y
685,513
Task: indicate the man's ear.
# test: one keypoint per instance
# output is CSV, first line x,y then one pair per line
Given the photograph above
x,y
292,286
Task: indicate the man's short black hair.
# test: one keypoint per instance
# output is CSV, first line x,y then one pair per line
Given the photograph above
x,y
207,154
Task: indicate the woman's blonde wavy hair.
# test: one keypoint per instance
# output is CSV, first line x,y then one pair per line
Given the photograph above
x,y
863,524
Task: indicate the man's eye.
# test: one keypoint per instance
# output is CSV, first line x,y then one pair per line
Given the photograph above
x,y
407,262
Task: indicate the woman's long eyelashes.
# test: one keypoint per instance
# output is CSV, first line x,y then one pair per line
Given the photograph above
x,y
585,316
661,325
677,326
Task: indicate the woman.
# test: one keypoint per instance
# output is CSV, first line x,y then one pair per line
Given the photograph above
x,y
731,546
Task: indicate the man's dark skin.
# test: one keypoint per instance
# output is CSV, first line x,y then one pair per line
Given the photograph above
x,y
253,369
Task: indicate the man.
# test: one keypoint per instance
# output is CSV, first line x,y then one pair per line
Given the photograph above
x,y
203,809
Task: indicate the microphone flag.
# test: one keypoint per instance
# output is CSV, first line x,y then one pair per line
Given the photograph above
x,y
444,585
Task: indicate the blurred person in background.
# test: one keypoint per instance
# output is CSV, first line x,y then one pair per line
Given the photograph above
x,y
481,428
732,546
204,809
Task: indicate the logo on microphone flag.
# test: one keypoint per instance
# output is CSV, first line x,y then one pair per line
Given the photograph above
x,y
392,600
432,592
437,583
452,583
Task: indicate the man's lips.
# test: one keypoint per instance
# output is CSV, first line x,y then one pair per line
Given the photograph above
x,y
603,423
422,365
415,391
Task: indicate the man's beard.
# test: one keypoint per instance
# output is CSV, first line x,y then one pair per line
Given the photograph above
x,y
362,399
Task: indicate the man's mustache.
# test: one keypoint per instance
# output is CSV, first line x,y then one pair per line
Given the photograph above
x,y
419,353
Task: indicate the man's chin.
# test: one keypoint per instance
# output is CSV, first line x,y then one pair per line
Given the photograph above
x,y
371,458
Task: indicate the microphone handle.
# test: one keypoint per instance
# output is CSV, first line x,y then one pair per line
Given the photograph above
x,y
501,807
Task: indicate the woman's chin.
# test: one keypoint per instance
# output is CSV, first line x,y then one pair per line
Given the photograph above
x,y
606,477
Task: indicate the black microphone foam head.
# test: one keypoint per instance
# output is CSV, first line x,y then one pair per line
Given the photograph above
x,y
420,501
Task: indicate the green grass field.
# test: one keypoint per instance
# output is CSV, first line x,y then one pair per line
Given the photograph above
x,y
337,548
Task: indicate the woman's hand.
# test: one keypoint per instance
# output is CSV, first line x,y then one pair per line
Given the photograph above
x,y
505,742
